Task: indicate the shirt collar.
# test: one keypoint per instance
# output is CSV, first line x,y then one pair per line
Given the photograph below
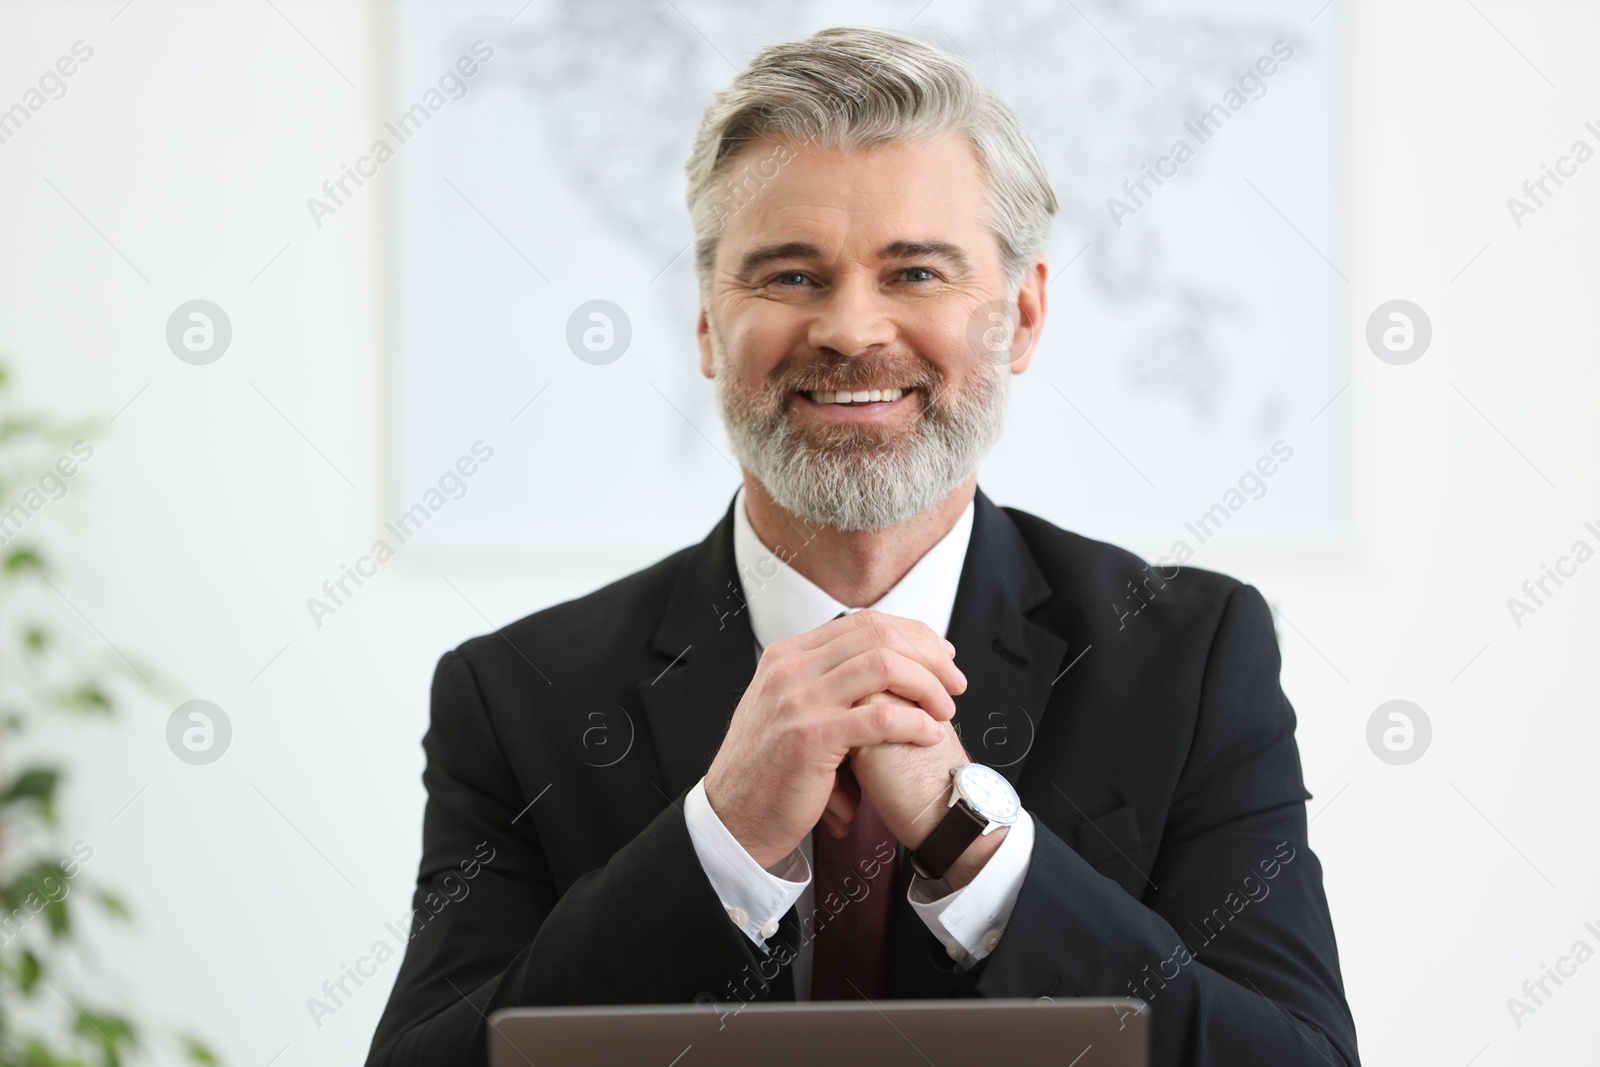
x,y
783,602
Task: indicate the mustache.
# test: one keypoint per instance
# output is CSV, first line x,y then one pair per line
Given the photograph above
x,y
854,374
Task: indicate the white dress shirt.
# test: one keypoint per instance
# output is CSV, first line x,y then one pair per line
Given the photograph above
x,y
781,602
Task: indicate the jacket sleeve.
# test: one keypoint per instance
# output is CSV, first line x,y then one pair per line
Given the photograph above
x,y
489,929
1232,946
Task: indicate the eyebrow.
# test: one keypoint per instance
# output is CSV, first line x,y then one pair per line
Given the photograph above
x,y
950,253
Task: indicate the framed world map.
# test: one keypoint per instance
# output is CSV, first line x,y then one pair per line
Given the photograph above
x,y
1185,389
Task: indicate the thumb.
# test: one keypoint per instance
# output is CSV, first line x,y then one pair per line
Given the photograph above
x,y
840,811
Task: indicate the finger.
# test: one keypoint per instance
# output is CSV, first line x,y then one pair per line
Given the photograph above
x,y
882,723
840,811
884,698
821,635
885,670
865,618
909,637
835,825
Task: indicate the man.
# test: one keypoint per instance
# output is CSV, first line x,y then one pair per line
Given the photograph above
x,y
875,736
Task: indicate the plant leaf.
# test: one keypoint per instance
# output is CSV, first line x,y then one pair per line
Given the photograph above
x,y
199,1052
113,905
36,783
114,1034
28,971
38,887
36,1053
59,918
23,559
17,425
87,699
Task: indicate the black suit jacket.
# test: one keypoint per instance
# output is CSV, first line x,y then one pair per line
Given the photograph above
x,y
1154,749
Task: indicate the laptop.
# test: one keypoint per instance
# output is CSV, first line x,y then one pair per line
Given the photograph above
x,y
1086,1032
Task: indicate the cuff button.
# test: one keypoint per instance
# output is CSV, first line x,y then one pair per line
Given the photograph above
x,y
770,929
991,939
738,916
955,952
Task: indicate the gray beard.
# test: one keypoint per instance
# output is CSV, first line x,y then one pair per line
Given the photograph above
x,y
854,480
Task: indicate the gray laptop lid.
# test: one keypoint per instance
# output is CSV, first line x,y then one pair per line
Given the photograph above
x,y
914,1033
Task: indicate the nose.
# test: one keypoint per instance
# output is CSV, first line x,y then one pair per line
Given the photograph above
x,y
853,318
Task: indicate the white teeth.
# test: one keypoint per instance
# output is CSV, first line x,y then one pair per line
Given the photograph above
x,y
858,396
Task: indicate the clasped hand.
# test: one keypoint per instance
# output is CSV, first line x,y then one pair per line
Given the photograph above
x,y
861,703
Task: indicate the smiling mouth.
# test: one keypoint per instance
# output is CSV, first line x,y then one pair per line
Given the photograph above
x,y
854,396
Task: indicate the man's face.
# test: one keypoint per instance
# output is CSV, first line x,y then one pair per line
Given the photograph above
x,y
854,272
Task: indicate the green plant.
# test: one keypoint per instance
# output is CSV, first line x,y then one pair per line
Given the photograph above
x,y
48,687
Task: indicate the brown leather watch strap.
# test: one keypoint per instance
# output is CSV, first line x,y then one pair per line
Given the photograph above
x,y
960,827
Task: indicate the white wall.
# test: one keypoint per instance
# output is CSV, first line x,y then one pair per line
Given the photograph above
x,y
190,142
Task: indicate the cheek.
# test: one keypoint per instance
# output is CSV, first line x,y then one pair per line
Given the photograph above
x,y
940,339
755,344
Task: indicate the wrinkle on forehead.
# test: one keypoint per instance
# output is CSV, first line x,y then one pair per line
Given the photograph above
x,y
917,190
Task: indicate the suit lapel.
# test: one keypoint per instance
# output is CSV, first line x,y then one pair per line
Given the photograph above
x,y
708,654
708,657
1010,662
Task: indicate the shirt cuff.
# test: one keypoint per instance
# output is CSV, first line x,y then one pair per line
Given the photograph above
x,y
969,921
754,897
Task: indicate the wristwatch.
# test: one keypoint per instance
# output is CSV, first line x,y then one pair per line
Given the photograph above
x,y
981,800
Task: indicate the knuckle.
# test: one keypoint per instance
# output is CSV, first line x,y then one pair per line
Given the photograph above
x,y
766,667
882,663
882,717
790,702
812,735
784,671
781,703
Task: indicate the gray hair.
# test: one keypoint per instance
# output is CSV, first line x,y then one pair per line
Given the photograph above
x,y
850,88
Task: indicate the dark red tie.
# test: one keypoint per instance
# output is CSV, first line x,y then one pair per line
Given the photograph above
x,y
853,888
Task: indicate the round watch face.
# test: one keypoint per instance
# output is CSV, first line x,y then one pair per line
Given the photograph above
x,y
988,792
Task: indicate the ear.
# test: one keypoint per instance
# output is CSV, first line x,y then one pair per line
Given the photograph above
x,y
702,332
1032,302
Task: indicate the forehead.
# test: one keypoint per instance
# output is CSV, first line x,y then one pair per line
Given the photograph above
x,y
931,189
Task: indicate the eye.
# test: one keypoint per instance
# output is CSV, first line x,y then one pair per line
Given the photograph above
x,y
931,276
790,279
